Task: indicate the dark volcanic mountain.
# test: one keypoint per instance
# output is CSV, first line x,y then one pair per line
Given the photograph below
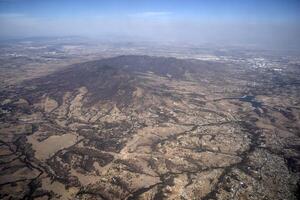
x,y
140,127
104,78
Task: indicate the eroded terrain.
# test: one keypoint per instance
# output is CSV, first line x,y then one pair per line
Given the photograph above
x,y
139,127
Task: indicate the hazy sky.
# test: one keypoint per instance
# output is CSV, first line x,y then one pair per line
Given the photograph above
x,y
270,23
